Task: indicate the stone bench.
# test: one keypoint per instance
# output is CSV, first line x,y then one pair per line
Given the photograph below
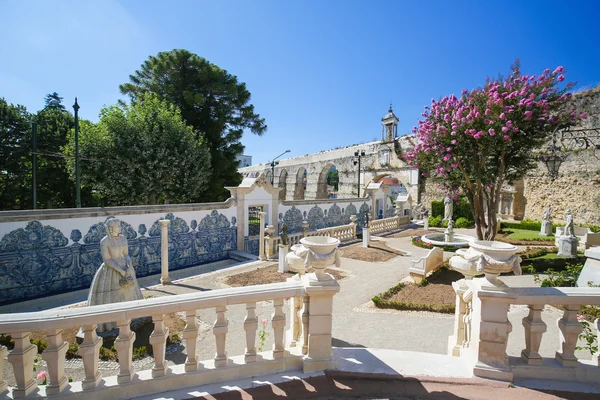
x,y
420,268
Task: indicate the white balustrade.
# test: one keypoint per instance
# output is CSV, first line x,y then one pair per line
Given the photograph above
x,y
481,319
388,224
20,326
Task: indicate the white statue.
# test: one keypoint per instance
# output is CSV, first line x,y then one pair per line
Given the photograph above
x,y
115,280
569,226
548,214
448,208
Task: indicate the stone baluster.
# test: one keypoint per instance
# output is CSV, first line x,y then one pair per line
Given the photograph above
x,y
220,331
305,320
22,357
54,355
190,334
124,346
595,358
270,241
570,329
3,385
455,342
250,326
90,351
305,227
295,320
534,329
278,323
164,251
158,340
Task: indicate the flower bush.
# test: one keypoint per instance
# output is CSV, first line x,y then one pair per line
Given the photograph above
x,y
475,143
262,334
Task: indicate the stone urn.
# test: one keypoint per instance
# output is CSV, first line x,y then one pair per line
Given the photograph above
x,y
317,252
487,257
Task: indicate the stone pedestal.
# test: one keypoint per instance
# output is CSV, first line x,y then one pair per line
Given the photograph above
x,y
546,229
449,235
591,268
366,237
567,247
283,265
426,223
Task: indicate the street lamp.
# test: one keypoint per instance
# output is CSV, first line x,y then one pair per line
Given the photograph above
x,y
77,172
273,164
357,156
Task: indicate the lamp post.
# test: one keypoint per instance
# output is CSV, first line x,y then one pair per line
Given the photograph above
x,y
77,172
357,156
273,164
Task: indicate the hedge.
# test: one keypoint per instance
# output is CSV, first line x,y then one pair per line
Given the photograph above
x,y
460,210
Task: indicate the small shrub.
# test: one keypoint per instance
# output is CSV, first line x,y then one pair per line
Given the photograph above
x,y
72,351
140,352
41,345
7,341
462,222
435,222
566,278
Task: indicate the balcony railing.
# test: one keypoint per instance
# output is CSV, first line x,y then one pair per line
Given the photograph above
x,y
388,224
311,325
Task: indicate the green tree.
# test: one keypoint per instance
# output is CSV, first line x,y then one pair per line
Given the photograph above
x,y
333,178
15,156
55,188
211,100
143,153
54,102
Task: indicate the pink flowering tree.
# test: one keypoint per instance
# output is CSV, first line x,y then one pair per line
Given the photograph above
x,y
473,144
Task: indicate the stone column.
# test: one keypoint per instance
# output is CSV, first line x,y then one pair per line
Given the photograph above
x,y
366,236
283,264
261,236
164,253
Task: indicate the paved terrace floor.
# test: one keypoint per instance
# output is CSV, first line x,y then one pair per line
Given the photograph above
x,y
357,324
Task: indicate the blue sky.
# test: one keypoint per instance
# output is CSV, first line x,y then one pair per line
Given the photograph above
x,y
322,73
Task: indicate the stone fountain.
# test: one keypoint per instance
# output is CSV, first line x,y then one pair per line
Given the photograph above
x,y
448,238
489,258
318,253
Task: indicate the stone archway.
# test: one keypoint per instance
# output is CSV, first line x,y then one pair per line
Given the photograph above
x,y
269,176
300,187
282,184
322,192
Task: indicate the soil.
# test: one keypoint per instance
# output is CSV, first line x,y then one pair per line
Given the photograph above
x,y
377,251
413,232
437,292
269,274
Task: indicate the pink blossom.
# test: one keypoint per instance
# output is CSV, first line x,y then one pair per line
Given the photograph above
x,y
560,78
448,149
447,157
477,135
264,322
42,375
505,129
583,115
502,116
506,137
558,69
465,91
492,132
453,133
488,111
453,141
580,318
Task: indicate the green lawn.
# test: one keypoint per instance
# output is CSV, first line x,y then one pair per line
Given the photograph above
x,y
523,234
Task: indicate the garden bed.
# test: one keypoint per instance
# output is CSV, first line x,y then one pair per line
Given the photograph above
x,y
416,241
523,237
433,294
269,274
377,251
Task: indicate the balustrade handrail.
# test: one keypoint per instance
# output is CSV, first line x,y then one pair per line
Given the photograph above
x,y
548,295
66,318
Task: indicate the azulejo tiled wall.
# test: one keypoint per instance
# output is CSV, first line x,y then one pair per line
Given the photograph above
x,y
37,261
319,216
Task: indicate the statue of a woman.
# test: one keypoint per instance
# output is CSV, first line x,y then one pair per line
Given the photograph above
x,y
447,209
115,280
569,226
548,214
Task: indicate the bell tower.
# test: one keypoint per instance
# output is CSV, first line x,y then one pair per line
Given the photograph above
x,y
389,126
